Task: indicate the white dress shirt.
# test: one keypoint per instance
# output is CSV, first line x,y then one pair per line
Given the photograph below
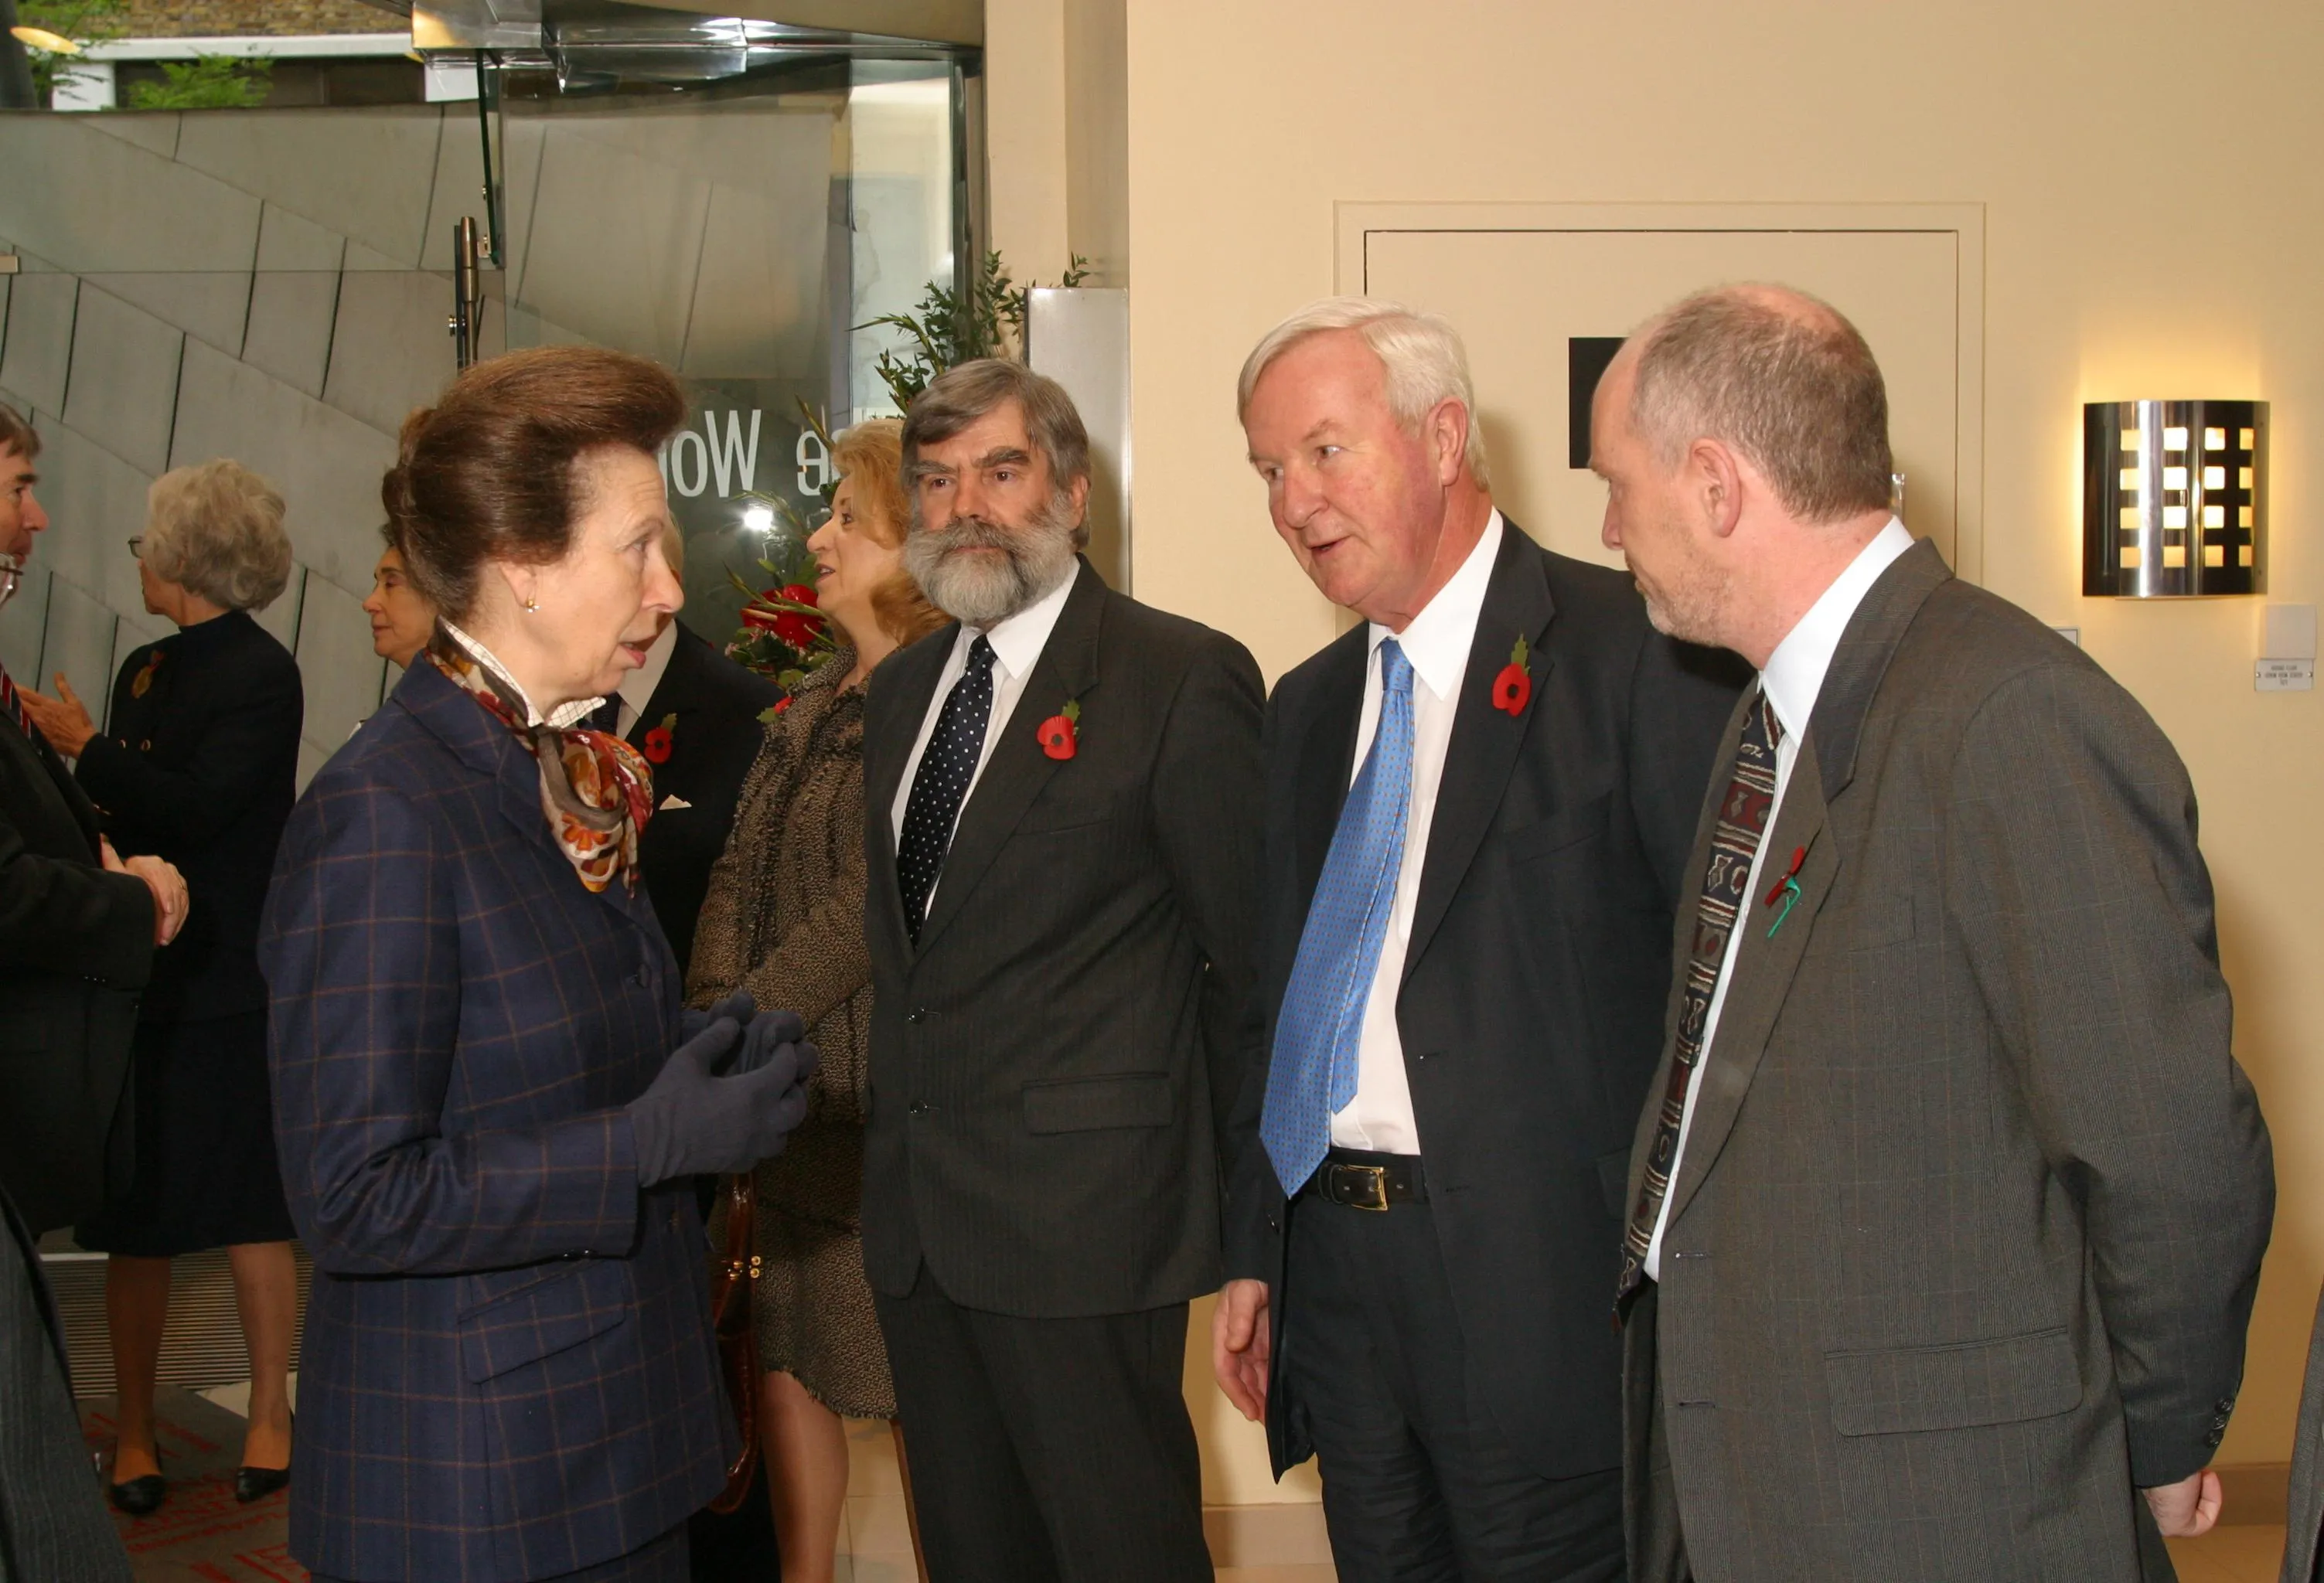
x,y
1792,677
637,689
1017,645
1437,642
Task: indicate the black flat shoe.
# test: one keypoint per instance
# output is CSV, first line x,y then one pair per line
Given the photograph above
x,y
256,1484
140,1497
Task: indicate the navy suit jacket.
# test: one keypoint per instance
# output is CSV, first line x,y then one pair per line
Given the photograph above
x,y
1533,983
508,1369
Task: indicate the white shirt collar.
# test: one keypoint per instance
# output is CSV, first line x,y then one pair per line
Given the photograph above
x,y
1795,672
563,717
1438,640
637,689
1018,639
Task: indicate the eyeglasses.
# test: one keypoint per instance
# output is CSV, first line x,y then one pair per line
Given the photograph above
x,y
137,546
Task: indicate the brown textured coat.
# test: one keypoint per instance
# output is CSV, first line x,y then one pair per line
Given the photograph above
x,y
784,919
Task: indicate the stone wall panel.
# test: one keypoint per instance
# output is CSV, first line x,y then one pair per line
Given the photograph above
x,y
291,318
156,214
124,386
364,173
327,464
37,357
390,351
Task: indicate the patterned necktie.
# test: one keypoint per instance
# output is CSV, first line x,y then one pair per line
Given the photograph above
x,y
14,705
947,768
1743,815
607,717
1313,1073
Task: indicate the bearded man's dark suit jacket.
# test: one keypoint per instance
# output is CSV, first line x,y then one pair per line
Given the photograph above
x,y
714,705
1969,1220
1531,1005
76,950
1050,1063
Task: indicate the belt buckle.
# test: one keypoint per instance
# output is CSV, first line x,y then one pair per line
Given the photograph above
x,y
1377,1175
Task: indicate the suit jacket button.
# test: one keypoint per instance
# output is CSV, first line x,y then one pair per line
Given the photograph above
x,y
917,1015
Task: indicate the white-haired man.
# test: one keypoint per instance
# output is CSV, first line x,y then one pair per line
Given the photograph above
x,y
1947,1216
1477,809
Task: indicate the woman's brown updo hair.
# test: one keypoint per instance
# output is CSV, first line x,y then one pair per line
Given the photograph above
x,y
489,471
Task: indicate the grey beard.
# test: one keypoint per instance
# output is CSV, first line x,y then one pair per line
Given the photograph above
x,y
981,592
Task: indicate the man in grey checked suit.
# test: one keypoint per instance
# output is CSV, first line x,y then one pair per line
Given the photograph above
x,y
1942,1250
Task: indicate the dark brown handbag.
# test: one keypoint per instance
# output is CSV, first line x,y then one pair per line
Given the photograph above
x,y
731,1280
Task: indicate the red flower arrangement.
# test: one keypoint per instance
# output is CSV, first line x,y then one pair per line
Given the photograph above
x,y
1059,735
783,634
1513,689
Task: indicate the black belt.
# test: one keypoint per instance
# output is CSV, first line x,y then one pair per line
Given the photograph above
x,y
1361,1179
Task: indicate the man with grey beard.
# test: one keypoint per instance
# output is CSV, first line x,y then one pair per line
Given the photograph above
x,y
1062,796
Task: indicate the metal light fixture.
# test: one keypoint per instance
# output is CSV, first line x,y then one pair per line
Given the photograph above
x,y
2174,498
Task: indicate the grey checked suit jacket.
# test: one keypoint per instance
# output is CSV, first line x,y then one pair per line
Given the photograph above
x,y
1966,1232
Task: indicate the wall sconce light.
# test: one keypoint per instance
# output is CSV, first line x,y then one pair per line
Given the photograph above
x,y
2174,498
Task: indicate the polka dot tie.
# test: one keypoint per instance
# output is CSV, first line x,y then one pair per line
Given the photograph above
x,y
942,784
1317,1035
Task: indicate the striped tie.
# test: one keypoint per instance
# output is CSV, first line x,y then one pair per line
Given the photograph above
x,y
1743,815
14,703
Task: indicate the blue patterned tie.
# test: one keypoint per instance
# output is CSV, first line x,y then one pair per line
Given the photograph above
x,y
1313,1073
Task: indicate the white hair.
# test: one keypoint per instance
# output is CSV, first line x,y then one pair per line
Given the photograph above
x,y
1420,353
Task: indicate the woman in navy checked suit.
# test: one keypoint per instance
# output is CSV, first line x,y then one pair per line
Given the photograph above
x,y
486,1136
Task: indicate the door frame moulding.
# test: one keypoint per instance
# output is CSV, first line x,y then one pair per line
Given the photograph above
x,y
1355,223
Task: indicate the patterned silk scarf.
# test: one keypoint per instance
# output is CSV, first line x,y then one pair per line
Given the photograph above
x,y
595,788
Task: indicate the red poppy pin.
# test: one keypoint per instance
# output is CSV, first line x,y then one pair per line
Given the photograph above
x,y
1513,689
1059,735
142,682
656,748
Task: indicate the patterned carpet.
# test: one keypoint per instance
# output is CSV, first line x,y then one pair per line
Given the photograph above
x,y
200,1535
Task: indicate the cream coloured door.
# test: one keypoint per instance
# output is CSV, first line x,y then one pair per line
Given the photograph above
x,y
1523,282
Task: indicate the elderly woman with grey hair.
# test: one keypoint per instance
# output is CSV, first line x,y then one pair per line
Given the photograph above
x,y
198,765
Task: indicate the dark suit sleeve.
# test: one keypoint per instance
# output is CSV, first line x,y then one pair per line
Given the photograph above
x,y
2085,908
362,951
192,804
1681,698
1206,805
59,916
1253,1247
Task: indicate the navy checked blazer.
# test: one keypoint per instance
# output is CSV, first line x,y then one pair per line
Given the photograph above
x,y
508,1370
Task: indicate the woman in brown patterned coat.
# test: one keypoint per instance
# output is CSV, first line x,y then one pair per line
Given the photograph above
x,y
784,919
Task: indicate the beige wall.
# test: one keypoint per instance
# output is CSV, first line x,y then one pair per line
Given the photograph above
x,y
2154,228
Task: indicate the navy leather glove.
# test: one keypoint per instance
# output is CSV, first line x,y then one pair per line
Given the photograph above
x,y
693,1122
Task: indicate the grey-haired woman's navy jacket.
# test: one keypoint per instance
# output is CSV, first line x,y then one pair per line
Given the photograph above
x,y
508,1370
